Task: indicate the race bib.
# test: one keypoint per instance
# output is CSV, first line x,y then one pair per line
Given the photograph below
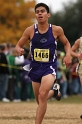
x,y
41,55
81,62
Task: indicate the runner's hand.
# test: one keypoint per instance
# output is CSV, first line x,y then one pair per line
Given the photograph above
x,y
20,51
67,61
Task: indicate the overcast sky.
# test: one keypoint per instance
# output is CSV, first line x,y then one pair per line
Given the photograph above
x,y
55,5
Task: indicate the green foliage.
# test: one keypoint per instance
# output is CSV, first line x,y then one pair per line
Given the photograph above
x,y
70,19
15,16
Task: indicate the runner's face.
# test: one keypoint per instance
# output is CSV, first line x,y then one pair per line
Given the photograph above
x,y
41,14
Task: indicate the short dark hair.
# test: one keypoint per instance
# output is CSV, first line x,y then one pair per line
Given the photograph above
x,y
43,5
2,47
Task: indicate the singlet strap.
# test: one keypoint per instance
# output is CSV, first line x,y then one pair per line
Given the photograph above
x,y
35,27
50,25
50,28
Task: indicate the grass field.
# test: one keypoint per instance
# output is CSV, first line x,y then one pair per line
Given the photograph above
x,y
66,111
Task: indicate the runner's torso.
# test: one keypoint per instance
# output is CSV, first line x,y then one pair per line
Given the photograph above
x,y
43,47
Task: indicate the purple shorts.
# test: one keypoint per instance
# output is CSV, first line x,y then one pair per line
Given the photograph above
x,y
37,72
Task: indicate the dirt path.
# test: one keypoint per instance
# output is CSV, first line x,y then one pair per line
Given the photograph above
x,y
24,113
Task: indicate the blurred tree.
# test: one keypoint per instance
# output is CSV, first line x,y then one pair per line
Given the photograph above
x,y
70,19
15,16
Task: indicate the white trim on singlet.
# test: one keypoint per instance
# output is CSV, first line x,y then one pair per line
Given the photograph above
x,y
35,26
50,25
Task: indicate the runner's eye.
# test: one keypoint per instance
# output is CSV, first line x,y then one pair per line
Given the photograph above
x,y
43,10
40,11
